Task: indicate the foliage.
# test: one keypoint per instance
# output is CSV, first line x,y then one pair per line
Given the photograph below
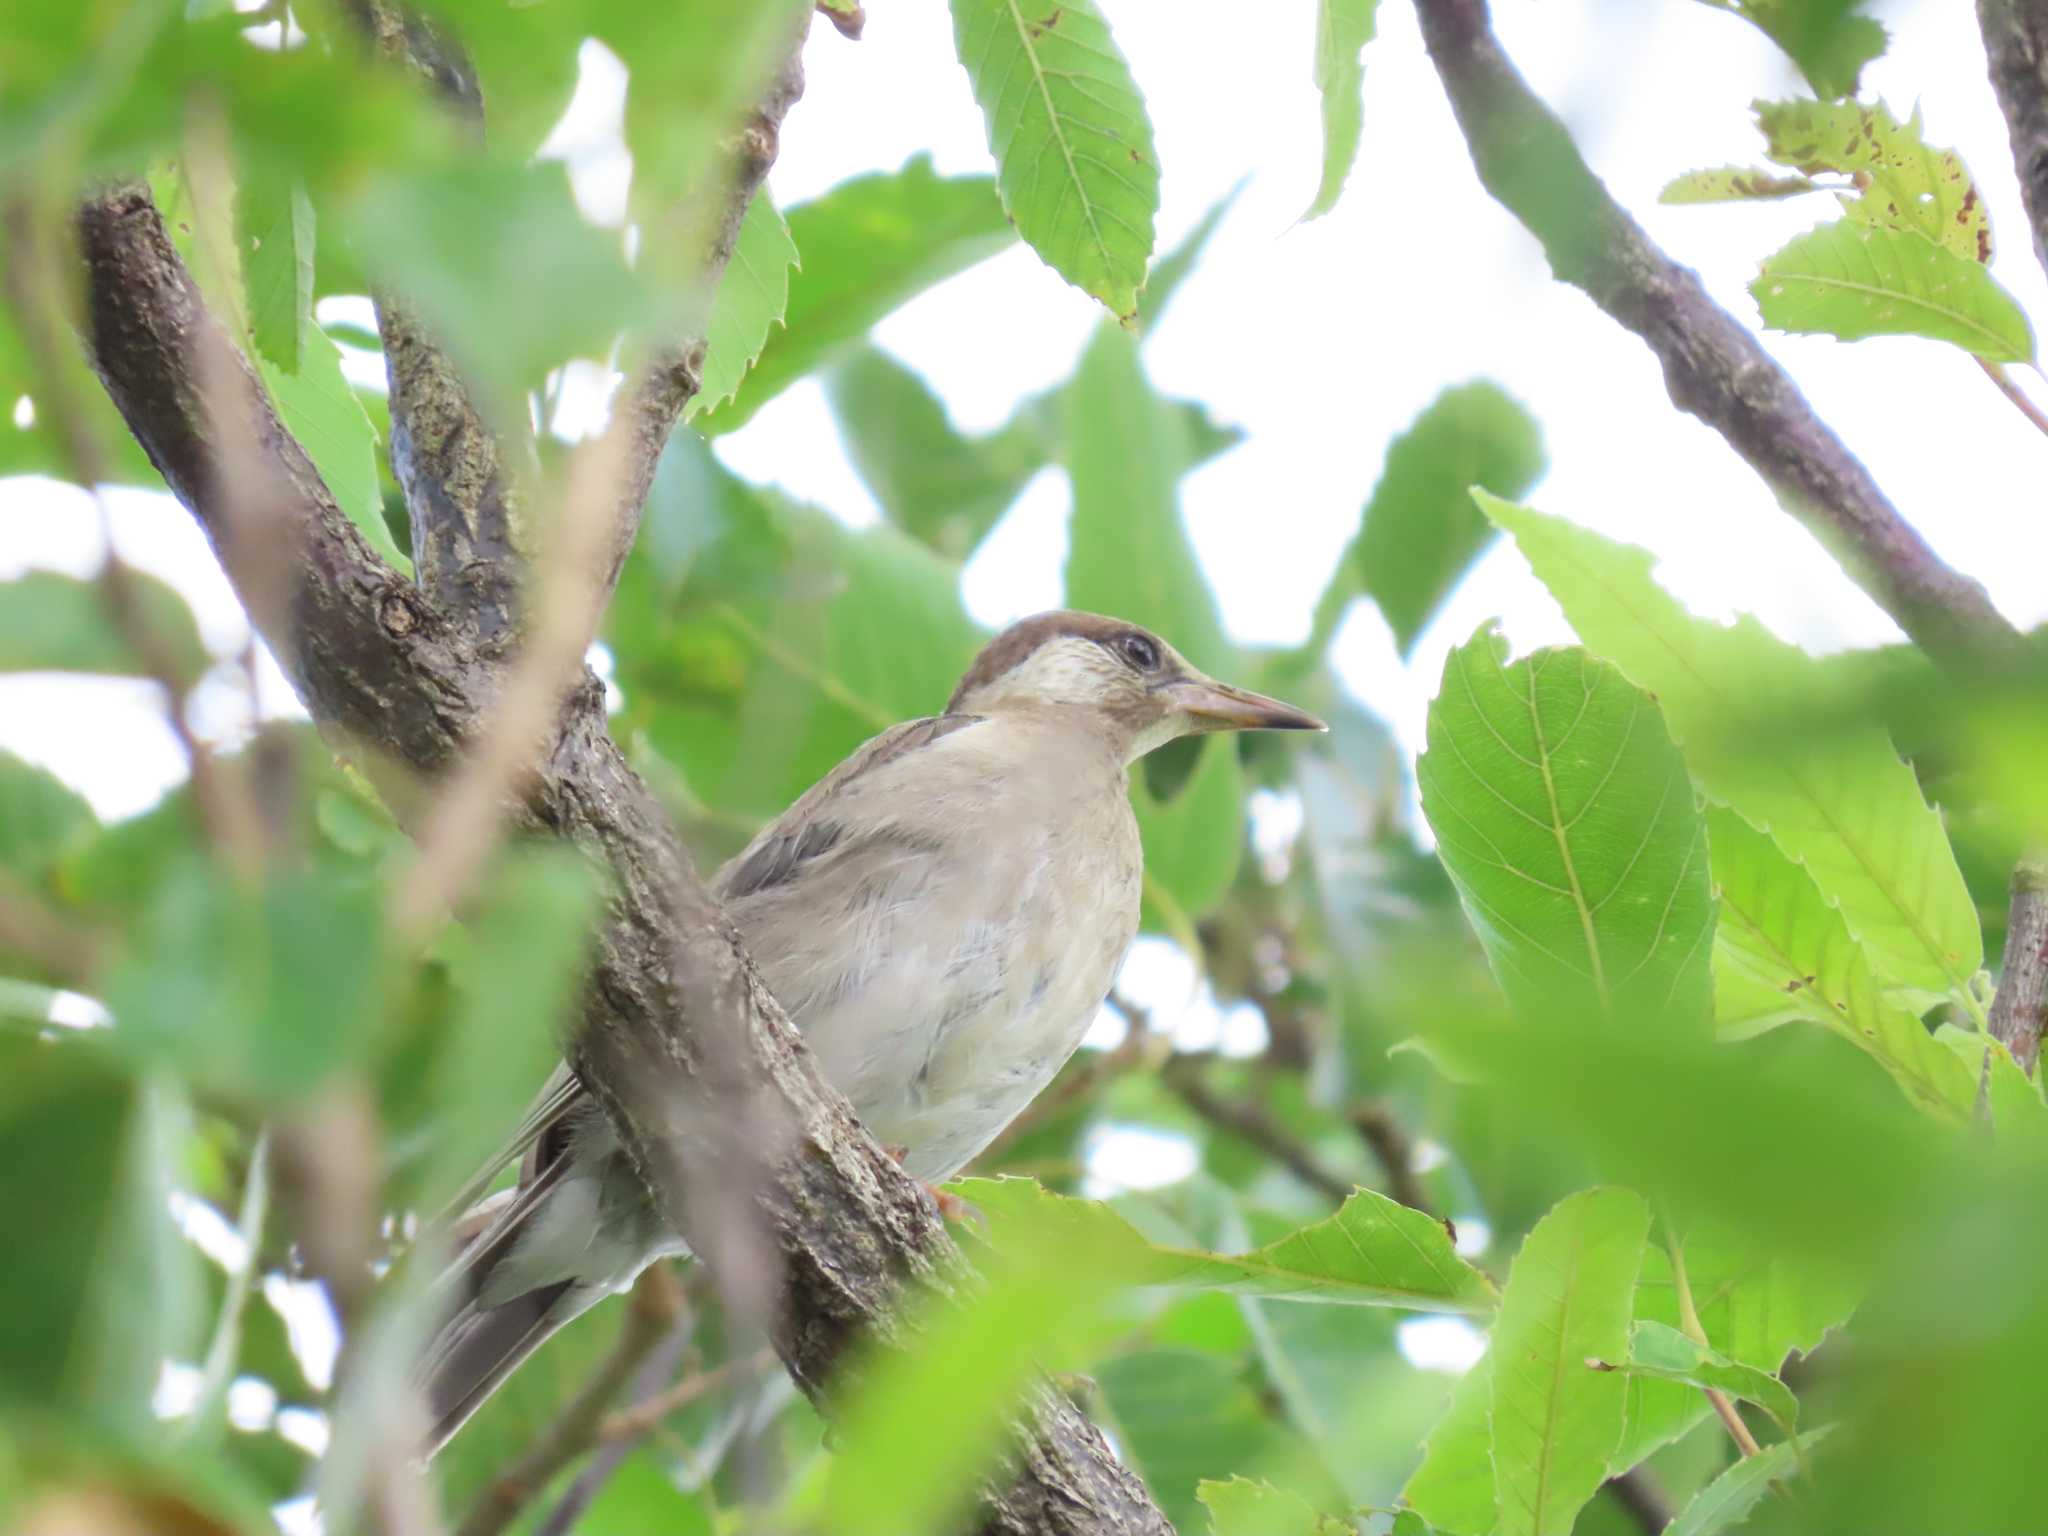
x,y
1648,1058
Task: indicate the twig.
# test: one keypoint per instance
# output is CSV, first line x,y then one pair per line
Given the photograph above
x,y
654,1375
2015,394
654,1313
642,1418
1250,1122
1395,1149
2016,45
1689,1320
2019,1011
1713,367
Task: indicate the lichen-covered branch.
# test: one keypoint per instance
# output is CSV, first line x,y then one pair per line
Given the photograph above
x,y
1713,367
2016,44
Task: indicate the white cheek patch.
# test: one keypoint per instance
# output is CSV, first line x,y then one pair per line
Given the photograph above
x,y
1068,669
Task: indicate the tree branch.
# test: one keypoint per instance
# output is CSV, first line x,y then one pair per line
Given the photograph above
x,y
2016,44
1713,367
753,1157
1250,1122
2019,1012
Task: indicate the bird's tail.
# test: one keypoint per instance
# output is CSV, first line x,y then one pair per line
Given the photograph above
x,y
487,1335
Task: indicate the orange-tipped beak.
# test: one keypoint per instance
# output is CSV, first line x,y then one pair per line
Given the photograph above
x,y
1215,706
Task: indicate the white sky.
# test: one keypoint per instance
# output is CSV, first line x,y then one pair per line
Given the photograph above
x,y
1321,340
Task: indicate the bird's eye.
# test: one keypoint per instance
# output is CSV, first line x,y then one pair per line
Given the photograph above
x,y
1140,651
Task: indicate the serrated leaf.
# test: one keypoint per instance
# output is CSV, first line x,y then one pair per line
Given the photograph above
x,y
1734,184
937,484
1902,181
274,224
752,298
1826,38
1661,1351
1554,1423
1072,143
1852,280
1420,532
1728,1500
1453,1488
53,623
320,409
1840,802
1181,1417
1343,28
1566,818
1778,937
1241,1507
1373,1252
868,246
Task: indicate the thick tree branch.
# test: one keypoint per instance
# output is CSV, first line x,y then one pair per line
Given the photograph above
x,y
759,1162
365,652
1713,367
2020,1010
2016,44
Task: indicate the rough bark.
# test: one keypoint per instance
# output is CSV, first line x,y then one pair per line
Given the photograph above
x,y
681,1041
2016,44
1713,368
2019,1012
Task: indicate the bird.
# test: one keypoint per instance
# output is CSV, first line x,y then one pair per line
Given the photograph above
x,y
941,916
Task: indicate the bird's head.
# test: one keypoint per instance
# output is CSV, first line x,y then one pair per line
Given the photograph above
x,y
1140,691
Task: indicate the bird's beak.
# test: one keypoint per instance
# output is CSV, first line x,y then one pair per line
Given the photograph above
x,y
1215,706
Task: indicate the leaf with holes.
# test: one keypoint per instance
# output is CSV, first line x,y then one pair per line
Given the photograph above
x,y
1734,184
1902,182
1073,145
1852,281
1566,818
1555,1423
752,298
1778,938
1839,802
1343,28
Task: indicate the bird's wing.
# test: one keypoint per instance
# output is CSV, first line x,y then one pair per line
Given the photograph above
x,y
777,852
807,829
561,1090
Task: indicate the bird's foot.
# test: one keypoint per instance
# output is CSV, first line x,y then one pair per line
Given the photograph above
x,y
952,1209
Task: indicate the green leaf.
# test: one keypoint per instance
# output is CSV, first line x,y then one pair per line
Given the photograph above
x,y
420,235
1241,1507
319,408
939,486
274,223
518,964
1728,1500
1555,1423
1072,143
1172,269
1757,1308
1840,802
254,994
52,623
1734,184
1566,817
1827,39
1343,28
98,1287
1373,1252
42,820
1780,940
752,297
1420,532
1182,1418
868,246
1453,1488
1851,281
1664,1352
1902,181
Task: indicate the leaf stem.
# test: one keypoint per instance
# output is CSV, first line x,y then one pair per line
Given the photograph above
x,y
2015,394
1689,1320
